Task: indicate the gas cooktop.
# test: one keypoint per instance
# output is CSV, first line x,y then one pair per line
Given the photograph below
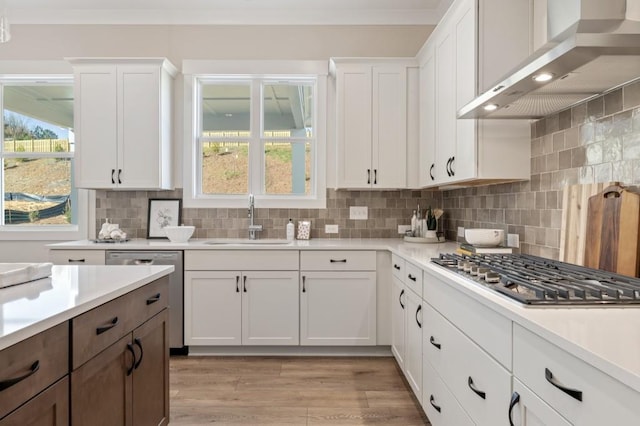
x,y
533,280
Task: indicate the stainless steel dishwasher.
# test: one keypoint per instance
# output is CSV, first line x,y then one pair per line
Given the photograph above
x,y
176,287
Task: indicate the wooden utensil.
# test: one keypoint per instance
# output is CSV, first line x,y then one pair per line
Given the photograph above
x,y
613,231
574,220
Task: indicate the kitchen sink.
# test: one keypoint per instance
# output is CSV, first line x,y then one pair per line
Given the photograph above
x,y
246,241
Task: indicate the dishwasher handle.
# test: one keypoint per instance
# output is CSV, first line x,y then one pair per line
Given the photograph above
x,y
143,261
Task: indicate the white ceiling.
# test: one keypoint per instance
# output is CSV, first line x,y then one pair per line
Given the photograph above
x,y
227,12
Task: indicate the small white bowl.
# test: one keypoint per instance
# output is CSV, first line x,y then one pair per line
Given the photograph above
x,y
484,237
179,234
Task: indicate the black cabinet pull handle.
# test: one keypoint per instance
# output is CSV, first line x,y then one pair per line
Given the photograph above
x,y
119,173
417,312
113,172
138,343
515,398
244,283
432,401
76,260
574,393
433,342
375,176
368,176
447,167
396,267
480,393
338,260
237,283
10,382
400,298
411,277
153,299
133,363
104,328
453,159
304,284
431,171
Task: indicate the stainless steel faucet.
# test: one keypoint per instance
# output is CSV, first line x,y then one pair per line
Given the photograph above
x,y
253,228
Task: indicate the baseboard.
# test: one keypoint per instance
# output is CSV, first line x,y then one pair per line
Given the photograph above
x,y
291,350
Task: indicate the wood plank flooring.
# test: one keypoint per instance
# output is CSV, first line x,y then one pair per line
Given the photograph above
x,y
291,391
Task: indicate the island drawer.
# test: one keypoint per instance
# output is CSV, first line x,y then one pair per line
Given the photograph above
x,y
30,366
77,257
577,390
147,301
338,260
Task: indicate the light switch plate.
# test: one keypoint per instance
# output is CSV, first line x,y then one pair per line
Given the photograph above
x,y
359,212
331,229
513,240
402,229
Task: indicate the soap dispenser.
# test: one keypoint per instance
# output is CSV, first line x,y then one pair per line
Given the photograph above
x,y
290,230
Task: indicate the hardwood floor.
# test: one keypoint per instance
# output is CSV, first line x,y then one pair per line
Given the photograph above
x,y
291,391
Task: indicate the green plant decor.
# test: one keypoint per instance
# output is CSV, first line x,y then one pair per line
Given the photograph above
x,y
432,223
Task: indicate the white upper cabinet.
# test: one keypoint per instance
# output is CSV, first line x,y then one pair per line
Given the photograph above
x,y
123,123
454,151
371,122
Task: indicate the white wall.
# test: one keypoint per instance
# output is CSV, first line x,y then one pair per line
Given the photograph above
x,y
56,42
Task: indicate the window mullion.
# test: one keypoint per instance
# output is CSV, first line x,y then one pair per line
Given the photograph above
x,y
256,151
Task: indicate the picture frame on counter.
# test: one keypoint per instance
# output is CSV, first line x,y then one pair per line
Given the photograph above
x,y
163,212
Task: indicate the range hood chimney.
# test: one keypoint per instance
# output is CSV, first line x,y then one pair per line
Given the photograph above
x,y
592,47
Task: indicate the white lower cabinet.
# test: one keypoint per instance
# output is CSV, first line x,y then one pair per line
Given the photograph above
x,y
413,342
337,308
527,409
241,308
438,402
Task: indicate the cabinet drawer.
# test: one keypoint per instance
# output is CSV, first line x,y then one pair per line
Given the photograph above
x,y
50,407
147,301
438,402
77,257
241,260
398,265
465,367
413,278
544,368
488,329
339,260
49,349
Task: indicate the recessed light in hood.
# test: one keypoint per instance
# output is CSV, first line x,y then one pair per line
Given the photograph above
x,y
582,65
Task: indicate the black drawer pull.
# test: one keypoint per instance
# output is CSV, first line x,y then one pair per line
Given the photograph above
x,y
433,342
104,328
133,363
417,312
10,382
411,277
338,260
304,284
400,298
515,398
237,281
432,401
571,392
76,260
481,394
153,299
138,343
396,266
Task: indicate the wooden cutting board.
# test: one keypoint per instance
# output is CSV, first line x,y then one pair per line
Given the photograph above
x,y
574,220
613,231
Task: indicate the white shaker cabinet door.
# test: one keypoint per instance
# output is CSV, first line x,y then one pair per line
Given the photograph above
x,y
270,308
398,320
413,342
338,308
212,308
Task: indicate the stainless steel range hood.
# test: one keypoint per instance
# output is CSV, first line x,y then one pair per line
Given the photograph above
x,y
594,46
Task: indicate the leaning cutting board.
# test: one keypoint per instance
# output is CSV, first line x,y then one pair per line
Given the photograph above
x,y
574,220
613,231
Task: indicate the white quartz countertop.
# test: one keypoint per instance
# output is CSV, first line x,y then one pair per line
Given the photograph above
x,y
30,308
607,338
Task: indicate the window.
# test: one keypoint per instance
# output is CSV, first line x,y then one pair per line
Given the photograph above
x,y
256,134
37,152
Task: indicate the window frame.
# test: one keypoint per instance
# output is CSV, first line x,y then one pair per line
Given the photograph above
x,y
85,198
259,73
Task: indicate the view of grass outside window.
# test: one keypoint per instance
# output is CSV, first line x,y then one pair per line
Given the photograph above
x,y
37,154
254,122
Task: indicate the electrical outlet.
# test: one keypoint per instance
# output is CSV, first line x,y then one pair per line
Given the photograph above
x,y
513,240
359,212
331,229
402,229
460,232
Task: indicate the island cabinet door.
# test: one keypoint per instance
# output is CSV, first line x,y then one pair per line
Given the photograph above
x,y
50,408
101,389
151,372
